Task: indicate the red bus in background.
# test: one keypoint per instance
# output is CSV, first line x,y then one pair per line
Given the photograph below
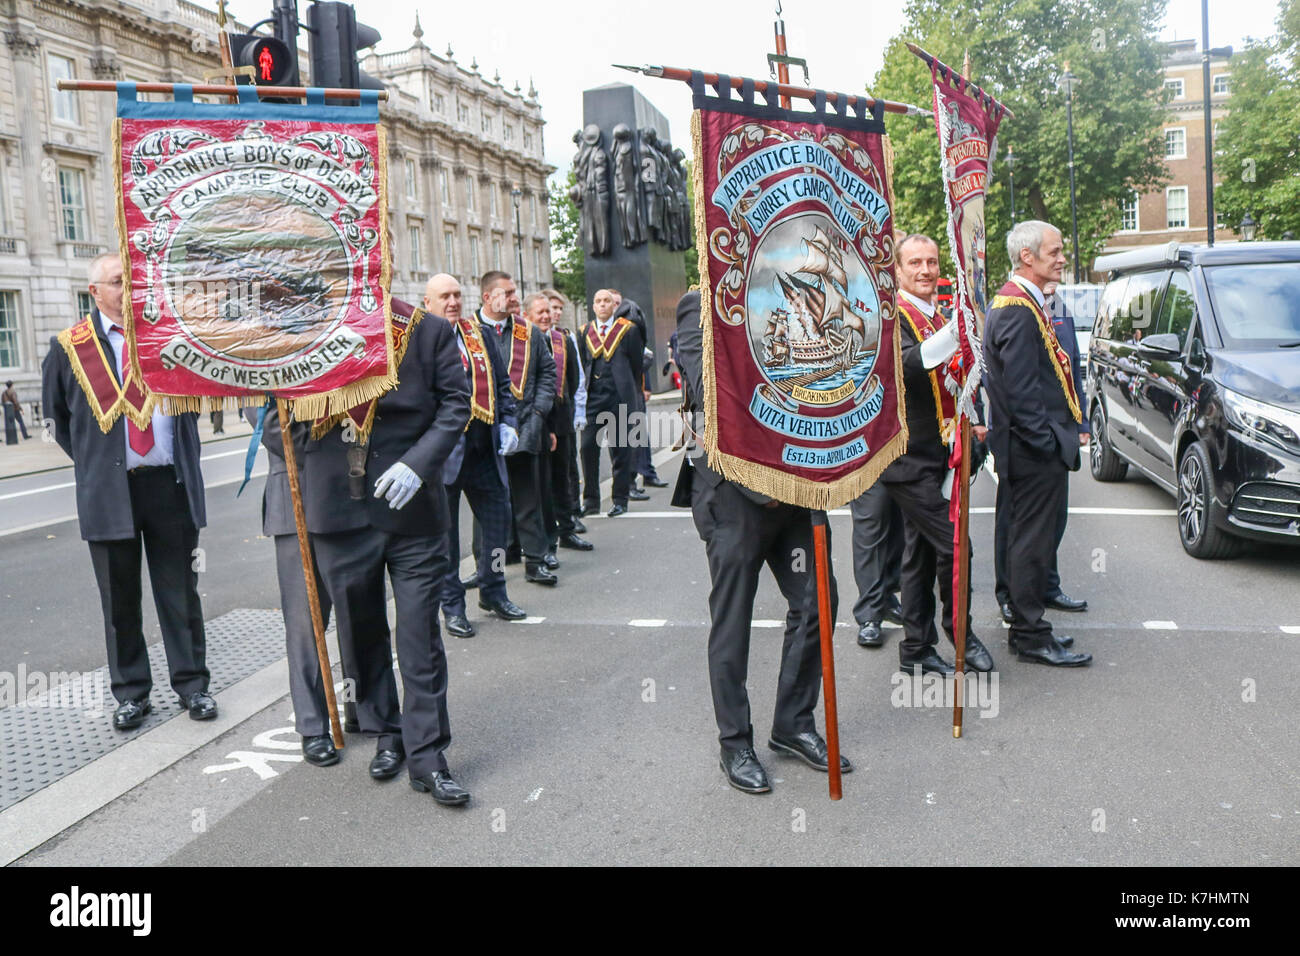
x,y
943,290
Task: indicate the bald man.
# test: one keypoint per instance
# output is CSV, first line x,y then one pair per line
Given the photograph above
x,y
476,466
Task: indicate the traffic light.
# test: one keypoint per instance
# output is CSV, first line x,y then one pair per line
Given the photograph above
x,y
333,40
272,62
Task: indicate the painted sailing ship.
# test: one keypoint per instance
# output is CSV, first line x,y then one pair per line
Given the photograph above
x,y
826,328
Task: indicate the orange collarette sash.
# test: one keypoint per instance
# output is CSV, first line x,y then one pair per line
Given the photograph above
x,y
945,405
557,351
482,390
605,348
94,374
519,356
1061,359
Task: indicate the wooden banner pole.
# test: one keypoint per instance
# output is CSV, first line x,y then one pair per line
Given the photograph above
x,y
826,624
209,89
961,601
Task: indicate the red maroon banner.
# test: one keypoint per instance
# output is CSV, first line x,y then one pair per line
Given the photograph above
x,y
257,251
802,379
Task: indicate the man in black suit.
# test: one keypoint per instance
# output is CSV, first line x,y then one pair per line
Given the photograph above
x,y
557,511
577,414
611,353
394,517
531,376
642,460
1055,597
476,466
1034,433
915,480
133,485
742,530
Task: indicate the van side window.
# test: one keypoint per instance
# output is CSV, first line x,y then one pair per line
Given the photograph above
x,y
1179,308
1136,316
1110,300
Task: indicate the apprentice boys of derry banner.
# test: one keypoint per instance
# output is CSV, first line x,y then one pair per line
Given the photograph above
x,y
257,250
967,120
802,376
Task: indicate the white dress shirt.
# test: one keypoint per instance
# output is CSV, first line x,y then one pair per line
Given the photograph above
x,y
161,452
1032,289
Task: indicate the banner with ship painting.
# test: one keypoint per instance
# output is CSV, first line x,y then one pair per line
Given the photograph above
x,y
802,374
257,249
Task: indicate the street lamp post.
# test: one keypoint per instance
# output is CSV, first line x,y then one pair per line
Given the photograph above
x,y
1068,82
1206,54
515,194
1247,227
1011,179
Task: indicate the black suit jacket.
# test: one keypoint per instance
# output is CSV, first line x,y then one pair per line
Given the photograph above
x,y
1028,411
926,453
560,421
1063,322
615,381
417,423
503,409
534,407
99,460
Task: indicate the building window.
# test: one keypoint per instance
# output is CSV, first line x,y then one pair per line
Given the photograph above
x,y
1128,214
509,132
1176,143
66,109
1176,207
532,209
496,253
1175,88
9,330
471,200
1220,87
439,103
487,125
85,302
473,258
528,140
449,251
492,200
462,112
537,263
444,183
417,253
72,203
412,182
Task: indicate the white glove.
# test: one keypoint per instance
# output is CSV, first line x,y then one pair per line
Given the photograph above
x,y
398,484
940,347
509,441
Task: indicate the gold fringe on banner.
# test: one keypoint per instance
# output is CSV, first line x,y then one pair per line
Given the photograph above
x,y
764,479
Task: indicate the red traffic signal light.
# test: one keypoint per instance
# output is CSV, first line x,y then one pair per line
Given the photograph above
x,y
270,58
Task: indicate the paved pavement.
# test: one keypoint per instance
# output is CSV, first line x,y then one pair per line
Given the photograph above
x,y
586,735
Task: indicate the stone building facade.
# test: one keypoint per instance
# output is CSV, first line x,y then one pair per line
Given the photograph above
x,y
449,129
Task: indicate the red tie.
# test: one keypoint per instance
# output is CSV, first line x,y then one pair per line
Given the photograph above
x,y
141,442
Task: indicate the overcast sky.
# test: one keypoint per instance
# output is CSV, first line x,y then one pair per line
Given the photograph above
x,y
568,46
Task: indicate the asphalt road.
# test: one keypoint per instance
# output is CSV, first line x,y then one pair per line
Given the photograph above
x,y
588,737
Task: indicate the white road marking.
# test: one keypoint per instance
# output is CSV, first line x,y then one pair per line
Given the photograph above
x,y
532,797
1290,628
1160,625
528,620
767,623
37,491
647,622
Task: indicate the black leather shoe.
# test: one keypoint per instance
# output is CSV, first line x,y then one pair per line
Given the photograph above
x,y
810,748
573,542
131,714
385,764
537,573
469,584
654,482
615,511
1065,640
503,609
870,635
589,510
551,561
200,705
978,657
1063,602
930,663
458,625
319,751
894,613
444,789
1053,654
578,526
635,494
744,772
1008,615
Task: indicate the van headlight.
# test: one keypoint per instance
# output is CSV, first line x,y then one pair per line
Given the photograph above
x,y
1271,423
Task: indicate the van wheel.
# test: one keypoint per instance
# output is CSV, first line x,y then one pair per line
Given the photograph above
x,y
1104,464
1198,510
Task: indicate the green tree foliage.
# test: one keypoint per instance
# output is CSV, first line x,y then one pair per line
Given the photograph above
x,y
1018,51
1257,150
568,259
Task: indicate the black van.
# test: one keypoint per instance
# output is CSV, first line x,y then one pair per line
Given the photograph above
x,y
1194,379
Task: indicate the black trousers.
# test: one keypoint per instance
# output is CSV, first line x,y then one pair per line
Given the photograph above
x,y
489,501
1037,491
740,536
526,503
927,561
353,564
643,463
877,551
169,539
557,513
575,477
306,687
620,455
1001,524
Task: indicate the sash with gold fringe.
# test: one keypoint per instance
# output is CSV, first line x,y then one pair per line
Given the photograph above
x,y
482,390
945,405
94,374
519,356
604,348
557,351
1061,360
